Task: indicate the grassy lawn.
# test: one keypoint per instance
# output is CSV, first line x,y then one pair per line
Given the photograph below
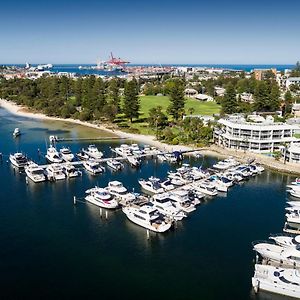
x,y
200,108
148,102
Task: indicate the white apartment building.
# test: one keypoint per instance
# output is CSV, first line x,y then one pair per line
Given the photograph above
x,y
264,137
292,80
292,153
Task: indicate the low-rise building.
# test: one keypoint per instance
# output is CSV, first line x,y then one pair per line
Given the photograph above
x,y
204,97
292,153
263,137
292,80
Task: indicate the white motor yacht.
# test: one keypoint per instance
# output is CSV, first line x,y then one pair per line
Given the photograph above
x,y
66,154
181,201
171,157
18,160
135,149
164,205
286,241
82,155
35,173
218,184
147,217
206,188
93,167
277,280
278,254
16,132
293,216
93,152
123,150
151,185
53,156
55,172
296,182
167,185
161,157
134,160
119,191
115,164
101,197
70,171
294,191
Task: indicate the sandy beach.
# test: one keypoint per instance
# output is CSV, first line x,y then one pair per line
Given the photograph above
x,y
213,150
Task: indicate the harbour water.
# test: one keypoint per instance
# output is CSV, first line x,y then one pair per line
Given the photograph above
x,y
51,249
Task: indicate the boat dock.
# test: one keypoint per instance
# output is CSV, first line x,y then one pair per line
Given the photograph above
x,y
74,139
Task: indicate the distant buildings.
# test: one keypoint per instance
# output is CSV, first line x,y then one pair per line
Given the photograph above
x,y
261,135
260,74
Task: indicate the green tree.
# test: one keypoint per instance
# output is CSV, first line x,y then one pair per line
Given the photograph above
x,y
261,96
229,103
114,93
157,119
288,103
131,104
177,101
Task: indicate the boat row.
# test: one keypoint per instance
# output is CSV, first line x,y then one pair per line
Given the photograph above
x,y
278,259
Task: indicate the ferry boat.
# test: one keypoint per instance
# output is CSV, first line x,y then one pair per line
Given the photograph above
x,y
17,132
55,172
148,217
151,185
93,167
66,154
93,152
277,280
117,189
35,173
101,198
70,171
53,156
115,164
164,205
18,160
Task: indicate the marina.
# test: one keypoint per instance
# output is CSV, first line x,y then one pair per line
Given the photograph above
x,y
82,229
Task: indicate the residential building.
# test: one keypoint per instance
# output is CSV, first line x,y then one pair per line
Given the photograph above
x,y
259,74
292,153
292,80
263,137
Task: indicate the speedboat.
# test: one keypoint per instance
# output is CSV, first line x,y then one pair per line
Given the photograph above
x,y
164,205
70,171
53,156
18,160
219,185
277,280
93,152
151,185
16,132
115,164
148,217
286,241
101,197
93,167
55,172
278,254
118,190
35,173
66,154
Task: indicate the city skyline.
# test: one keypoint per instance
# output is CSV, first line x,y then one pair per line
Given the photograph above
x,y
157,32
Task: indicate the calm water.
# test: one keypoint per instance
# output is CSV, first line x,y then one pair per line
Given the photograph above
x,y
50,249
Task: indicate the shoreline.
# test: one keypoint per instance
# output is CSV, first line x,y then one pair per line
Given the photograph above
x,y
213,150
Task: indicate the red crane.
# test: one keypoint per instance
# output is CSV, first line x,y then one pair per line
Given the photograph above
x,y
116,61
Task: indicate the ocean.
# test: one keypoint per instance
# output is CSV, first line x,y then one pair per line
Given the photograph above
x,y
51,249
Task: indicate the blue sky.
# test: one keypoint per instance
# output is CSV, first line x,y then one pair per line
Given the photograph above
x,y
157,31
